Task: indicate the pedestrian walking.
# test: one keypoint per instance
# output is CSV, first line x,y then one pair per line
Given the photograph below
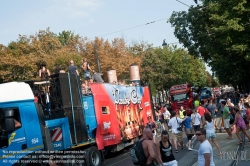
x,y
205,152
187,123
241,106
196,119
149,149
175,124
201,110
181,112
212,109
165,150
210,133
240,125
166,117
226,119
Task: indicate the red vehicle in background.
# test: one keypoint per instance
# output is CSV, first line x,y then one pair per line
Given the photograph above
x,y
217,92
181,95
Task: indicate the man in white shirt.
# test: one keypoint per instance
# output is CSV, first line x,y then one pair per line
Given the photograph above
x,y
205,152
196,119
166,117
175,123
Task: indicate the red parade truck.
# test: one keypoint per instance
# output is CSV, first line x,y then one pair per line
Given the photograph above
x,y
181,95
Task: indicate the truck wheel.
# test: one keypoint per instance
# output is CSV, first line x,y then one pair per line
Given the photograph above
x,y
94,157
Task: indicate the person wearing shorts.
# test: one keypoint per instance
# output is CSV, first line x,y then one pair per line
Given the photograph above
x,y
226,119
211,136
240,125
196,119
187,123
175,124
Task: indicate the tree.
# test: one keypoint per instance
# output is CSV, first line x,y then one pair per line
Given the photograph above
x,y
217,31
170,66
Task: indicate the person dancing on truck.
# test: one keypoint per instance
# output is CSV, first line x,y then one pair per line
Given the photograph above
x,y
86,73
72,68
44,73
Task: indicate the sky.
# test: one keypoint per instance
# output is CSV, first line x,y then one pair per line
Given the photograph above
x,y
133,20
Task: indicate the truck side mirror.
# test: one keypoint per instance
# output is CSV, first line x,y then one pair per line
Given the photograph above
x,y
8,113
9,124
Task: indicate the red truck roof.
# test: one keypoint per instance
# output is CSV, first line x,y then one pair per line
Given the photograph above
x,y
178,89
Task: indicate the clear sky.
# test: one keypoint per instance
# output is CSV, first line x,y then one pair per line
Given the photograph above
x,y
92,18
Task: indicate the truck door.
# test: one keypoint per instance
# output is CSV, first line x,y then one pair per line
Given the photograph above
x,y
14,141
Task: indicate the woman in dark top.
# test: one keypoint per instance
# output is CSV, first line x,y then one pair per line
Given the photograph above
x,y
44,72
165,150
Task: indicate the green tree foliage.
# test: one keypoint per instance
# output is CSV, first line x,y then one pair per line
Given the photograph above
x,y
20,60
161,67
217,31
170,66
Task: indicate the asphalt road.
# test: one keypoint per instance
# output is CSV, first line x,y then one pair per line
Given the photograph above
x,y
123,159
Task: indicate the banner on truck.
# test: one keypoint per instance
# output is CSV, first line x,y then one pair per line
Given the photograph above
x,y
121,112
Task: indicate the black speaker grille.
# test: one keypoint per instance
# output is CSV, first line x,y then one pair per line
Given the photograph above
x,y
61,86
80,125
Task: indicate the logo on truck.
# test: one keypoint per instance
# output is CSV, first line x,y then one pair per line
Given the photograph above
x,y
133,97
12,137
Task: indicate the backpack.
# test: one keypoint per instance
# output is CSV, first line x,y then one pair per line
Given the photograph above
x,y
137,154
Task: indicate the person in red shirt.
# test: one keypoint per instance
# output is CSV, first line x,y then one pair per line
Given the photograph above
x,y
201,110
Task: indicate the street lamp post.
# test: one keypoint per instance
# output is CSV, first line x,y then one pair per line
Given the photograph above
x,y
97,59
164,43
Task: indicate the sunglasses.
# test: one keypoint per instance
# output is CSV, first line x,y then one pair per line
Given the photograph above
x,y
198,134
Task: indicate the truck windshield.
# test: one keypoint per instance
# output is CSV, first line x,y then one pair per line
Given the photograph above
x,y
179,97
203,93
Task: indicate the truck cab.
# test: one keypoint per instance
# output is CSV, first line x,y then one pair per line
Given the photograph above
x,y
206,94
19,128
67,122
181,95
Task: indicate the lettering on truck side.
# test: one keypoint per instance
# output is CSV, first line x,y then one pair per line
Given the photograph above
x,y
56,145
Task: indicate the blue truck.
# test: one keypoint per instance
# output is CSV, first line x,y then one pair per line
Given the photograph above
x,y
72,129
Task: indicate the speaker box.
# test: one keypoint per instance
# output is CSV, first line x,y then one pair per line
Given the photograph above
x,y
78,128
56,114
65,96
65,91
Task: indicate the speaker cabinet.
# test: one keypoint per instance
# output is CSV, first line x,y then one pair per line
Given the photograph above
x,y
65,91
78,128
66,102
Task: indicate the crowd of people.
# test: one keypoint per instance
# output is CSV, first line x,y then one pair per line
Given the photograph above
x,y
232,111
